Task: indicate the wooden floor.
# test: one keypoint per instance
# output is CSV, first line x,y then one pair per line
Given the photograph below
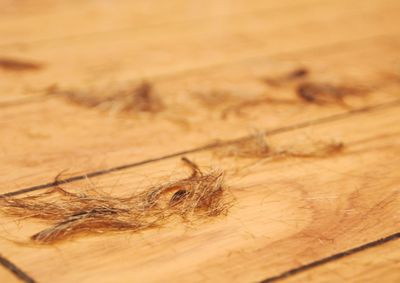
x,y
332,219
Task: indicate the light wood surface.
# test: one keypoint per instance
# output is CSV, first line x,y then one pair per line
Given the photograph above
x,y
79,135
287,213
169,49
291,217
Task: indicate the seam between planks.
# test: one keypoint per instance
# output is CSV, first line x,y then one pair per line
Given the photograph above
x,y
335,257
19,273
206,147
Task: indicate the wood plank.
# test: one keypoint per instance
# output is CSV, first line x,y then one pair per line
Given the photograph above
x,y
38,21
181,47
43,139
379,264
287,213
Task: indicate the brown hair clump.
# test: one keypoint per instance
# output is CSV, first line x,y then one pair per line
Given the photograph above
x,y
326,93
254,147
257,147
313,92
139,98
288,79
199,196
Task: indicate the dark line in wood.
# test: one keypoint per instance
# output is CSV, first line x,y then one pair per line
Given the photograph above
x,y
23,276
332,258
206,147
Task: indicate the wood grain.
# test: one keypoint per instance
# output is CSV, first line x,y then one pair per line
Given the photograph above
x,y
69,137
39,21
182,47
288,213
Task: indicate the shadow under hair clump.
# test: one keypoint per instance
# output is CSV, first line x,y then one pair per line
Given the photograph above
x,y
16,65
130,99
257,147
197,197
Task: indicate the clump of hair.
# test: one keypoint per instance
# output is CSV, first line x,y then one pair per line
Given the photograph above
x,y
197,197
326,93
130,99
17,65
254,147
317,149
258,147
310,91
290,78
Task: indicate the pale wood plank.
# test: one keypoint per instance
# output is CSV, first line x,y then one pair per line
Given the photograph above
x,y
42,139
35,21
182,47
